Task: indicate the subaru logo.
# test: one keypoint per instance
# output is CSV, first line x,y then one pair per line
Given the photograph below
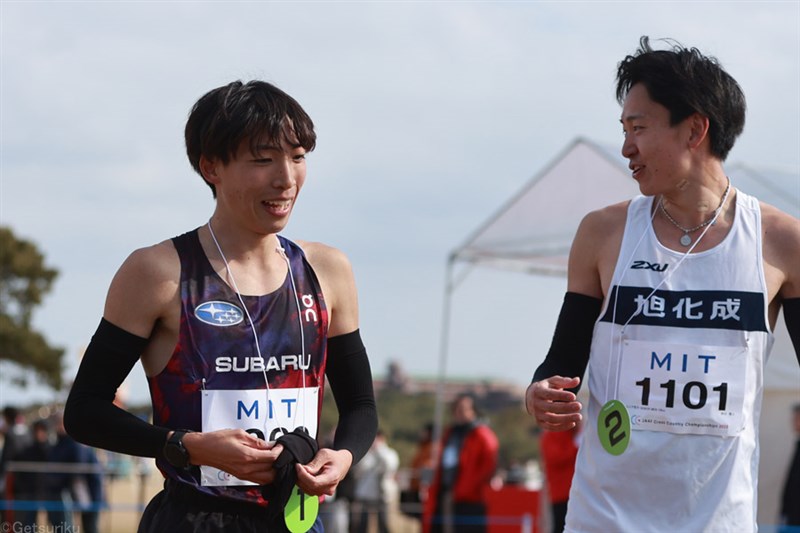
x,y
218,313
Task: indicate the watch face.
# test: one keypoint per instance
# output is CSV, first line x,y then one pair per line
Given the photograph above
x,y
175,453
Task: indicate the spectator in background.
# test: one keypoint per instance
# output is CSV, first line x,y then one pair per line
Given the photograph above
x,y
90,516
558,451
84,486
32,485
375,485
466,465
790,503
16,437
334,511
421,466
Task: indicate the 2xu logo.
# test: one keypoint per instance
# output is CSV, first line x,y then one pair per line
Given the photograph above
x,y
646,265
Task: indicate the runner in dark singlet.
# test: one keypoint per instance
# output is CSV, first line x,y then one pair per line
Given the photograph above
x,y
236,328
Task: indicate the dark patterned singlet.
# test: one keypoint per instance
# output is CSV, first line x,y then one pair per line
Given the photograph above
x,y
215,378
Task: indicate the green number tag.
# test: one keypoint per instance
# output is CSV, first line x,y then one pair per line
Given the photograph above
x,y
301,511
614,427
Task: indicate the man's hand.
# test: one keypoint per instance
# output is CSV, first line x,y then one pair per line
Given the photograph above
x,y
324,472
555,409
236,452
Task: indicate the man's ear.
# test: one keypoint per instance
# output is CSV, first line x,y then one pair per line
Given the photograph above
x,y
209,169
698,130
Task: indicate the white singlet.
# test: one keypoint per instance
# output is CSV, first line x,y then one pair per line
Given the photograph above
x,y
689,368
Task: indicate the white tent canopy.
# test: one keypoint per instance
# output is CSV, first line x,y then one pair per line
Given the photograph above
x,y
533,233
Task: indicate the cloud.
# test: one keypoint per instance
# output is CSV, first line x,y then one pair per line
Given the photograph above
x,y
430,115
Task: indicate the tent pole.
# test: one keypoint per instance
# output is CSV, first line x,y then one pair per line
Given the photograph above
x,y
443,347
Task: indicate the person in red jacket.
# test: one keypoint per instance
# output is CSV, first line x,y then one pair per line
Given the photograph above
x,y
559,450
466,465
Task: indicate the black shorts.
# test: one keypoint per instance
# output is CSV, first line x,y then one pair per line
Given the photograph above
x,y
180,508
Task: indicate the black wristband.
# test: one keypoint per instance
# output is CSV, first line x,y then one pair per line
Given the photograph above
x,y
90,415
175,452
350,378
791,317
572,340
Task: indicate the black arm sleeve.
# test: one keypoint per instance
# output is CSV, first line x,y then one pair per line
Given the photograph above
x,y
90,415
350,379
791,316
572,340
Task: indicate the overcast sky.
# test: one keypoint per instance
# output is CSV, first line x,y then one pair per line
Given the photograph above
x,y
429,117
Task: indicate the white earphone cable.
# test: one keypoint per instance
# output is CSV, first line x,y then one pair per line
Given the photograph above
x,y
640,307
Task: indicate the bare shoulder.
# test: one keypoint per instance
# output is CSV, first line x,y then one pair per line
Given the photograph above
x,y
143,288
335,274
602,229
609,216
595,248
155,262
326,260
781,238
778,224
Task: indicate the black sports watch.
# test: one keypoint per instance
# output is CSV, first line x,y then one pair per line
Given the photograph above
x,y
174,451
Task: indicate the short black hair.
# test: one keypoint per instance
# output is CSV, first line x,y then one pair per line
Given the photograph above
x,y
462,396
685,82
255,111
472,399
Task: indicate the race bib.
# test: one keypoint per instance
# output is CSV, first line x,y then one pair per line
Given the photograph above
x,y
685,389
266,414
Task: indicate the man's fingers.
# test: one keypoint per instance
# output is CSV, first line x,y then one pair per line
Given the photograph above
x,y
561,382
558,408
554,395
313,484
561,426
556,422
554,407
549,396
553,388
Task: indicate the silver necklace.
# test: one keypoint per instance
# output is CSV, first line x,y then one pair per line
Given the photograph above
x,y
686,239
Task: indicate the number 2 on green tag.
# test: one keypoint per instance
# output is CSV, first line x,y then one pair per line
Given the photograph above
x,y
614,427
301,511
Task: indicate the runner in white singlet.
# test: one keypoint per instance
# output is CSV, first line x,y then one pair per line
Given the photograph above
x,y
672,300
